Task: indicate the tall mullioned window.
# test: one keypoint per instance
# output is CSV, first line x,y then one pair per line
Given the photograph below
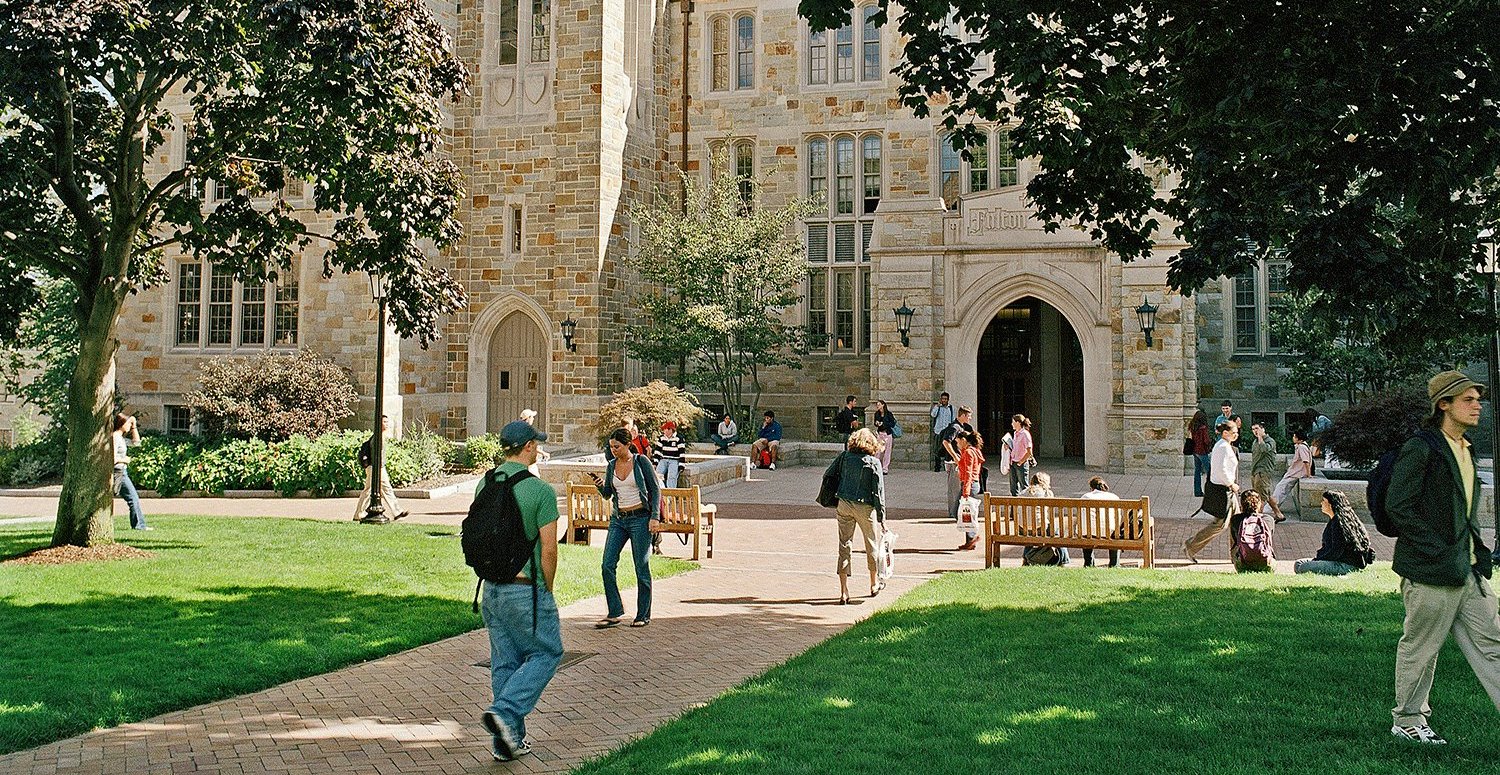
x,y
844,172
731,51
523,25
991,164
1256,297
215,310
855,54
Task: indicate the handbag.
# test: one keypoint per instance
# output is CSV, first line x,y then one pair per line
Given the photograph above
x,y
896,430
968,514
1187,446
828,493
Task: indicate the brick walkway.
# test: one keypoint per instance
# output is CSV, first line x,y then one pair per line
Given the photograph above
x,y
768,594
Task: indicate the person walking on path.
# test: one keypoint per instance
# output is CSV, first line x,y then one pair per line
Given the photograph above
x,y
970,463
127,434
1226,414
1219,492
1299,468
521,615
1263,465
668,452
950,456
1099,491
726,435
885,430
1022,453
767,440
528,416
1203,444
1444,566
387,492
943,416
861,503
1346,544
630,484
849,419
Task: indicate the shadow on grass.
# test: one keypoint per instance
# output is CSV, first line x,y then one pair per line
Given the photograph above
x,y
109,659
1127,679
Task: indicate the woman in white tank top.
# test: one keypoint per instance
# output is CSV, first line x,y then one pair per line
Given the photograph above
x,y
630,484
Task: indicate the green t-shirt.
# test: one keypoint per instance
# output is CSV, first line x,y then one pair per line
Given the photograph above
x,y
538,502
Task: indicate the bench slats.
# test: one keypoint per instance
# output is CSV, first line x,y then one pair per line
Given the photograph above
x,y
683,511
1082,523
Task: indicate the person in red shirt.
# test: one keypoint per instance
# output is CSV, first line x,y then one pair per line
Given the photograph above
x,y
970,462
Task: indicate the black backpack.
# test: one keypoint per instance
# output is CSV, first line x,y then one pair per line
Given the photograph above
x,y
1380,484
494,535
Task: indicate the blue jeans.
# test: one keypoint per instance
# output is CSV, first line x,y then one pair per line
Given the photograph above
x,y
1200,470
669,469
1019,473
637,531
723,443
1323,567
126,489
521,662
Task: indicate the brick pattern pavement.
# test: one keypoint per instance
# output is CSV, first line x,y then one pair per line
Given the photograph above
x,y
768,594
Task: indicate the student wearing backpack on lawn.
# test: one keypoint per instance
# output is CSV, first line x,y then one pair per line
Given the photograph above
x,y
1251,548
514,513
630,484
1433,501
1346,543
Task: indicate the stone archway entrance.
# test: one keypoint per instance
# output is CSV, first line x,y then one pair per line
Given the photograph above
x,y
1030,362
517,368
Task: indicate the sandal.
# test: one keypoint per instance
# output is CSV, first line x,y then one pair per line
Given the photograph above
x,y
875,590
640,622
607,622
844,599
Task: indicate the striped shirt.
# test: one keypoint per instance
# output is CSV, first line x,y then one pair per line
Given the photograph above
x,y
669,447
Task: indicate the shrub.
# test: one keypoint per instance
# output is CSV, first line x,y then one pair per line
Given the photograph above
x,y
29,463
1384,421
481,452
271,396
650,406
421,454
160,463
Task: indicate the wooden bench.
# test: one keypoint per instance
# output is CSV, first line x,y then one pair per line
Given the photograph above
x,y
1077,523
683,512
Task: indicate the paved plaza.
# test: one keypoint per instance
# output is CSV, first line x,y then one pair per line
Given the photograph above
x,y
768,594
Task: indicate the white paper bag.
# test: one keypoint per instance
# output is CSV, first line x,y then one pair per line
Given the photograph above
x,y
968,514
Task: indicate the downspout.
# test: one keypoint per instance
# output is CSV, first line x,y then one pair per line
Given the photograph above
x,y
687,27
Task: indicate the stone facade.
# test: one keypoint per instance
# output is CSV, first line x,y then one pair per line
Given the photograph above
x,y
575,130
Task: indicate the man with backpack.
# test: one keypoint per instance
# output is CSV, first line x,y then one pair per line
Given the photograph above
x,y
1432,502
509,540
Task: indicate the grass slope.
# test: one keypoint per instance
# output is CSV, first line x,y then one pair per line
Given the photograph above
x,y
1044,670
227,606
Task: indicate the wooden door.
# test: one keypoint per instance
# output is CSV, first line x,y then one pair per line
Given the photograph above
x,y
517,372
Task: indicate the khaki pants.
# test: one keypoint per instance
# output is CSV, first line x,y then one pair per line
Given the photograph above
x,y
1432,613
1195,544
387,497
861,514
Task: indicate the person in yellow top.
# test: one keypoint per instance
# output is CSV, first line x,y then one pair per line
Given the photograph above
x,y
1443,563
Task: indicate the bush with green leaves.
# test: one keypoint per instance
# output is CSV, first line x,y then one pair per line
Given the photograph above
x,y
28,463
272,396
482,452
649,406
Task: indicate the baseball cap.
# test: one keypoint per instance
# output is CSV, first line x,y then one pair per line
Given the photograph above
x,y
517,433
1449,384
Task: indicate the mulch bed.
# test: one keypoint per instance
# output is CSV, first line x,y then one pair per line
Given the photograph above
x,y
62,555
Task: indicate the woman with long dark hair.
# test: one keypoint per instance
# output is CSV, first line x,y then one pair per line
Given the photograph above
x,y
1346,543
630,484
1203,444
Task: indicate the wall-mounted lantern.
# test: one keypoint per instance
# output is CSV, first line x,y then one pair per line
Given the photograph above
x,y
1146,313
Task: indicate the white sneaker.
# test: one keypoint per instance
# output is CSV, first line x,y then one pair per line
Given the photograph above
x,y
773,466
503,742
1420,733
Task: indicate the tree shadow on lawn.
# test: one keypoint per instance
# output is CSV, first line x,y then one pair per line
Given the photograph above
x,y
1154,680
110,659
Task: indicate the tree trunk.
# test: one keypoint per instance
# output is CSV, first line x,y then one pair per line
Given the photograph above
x,y
85,511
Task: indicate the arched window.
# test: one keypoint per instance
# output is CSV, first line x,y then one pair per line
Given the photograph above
x,y
870,43
744,52
731,45
719,47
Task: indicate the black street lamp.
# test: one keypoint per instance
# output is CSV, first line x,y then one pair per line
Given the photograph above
x,y
903,323
375,512
569,328
1146,313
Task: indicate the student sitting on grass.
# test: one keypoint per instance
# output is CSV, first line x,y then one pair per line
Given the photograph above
x,y
1250,545
1346,544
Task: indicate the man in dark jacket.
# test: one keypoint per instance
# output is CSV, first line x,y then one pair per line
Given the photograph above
x,y
1444,565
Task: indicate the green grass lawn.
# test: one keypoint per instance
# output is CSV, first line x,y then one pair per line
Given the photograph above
x,y
227,606
1043,670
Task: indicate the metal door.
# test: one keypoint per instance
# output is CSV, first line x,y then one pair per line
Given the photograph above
x,y
518,372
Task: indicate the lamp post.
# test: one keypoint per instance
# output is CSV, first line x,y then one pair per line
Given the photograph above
x,y
569,328
903,322
375,513
1146,313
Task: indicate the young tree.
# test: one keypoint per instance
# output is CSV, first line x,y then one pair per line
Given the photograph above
x,y
343,94
1361,137
722,270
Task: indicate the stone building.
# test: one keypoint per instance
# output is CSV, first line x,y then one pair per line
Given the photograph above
x,y
583,110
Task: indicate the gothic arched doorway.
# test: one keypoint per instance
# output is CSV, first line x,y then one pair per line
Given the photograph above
x,y
517,369
1031,363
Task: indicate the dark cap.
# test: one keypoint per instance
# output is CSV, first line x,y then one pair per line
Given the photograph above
x,y
516,434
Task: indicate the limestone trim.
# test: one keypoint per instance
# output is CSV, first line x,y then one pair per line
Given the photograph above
x,y
1076,306
483,327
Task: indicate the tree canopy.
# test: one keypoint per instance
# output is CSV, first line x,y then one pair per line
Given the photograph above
x,y
1360,137
342,96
